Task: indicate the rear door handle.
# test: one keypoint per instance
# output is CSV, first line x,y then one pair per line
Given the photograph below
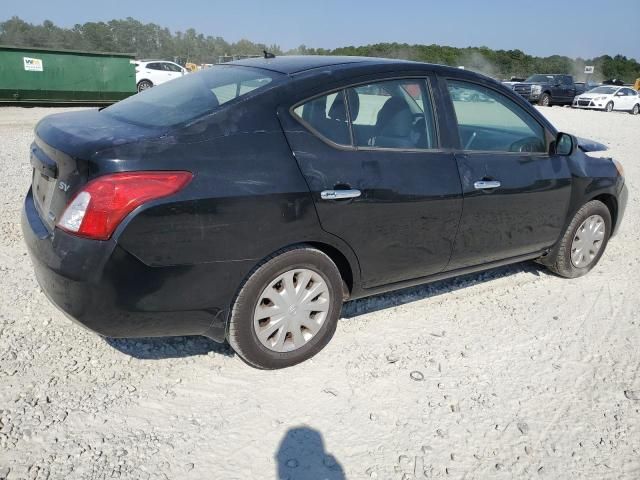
x,y
339,194
486,184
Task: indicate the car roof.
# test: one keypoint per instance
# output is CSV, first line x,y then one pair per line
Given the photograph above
x,y
292,64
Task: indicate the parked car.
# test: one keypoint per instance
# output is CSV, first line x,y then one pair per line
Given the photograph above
x,y
582,87
246,202
610,98
155,72
547,89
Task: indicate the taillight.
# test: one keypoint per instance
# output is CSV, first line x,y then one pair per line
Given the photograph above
x,y
97,210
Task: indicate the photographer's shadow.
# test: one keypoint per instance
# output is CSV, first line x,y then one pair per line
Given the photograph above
x,y
302,456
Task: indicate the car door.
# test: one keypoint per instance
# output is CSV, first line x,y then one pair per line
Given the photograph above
x,y
168,72
175,70
378,177
516,194
569,88
156,73
627,99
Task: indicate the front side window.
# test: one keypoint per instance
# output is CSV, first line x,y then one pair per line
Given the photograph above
x,y
327,115
191,96
489,121
172,67
392,114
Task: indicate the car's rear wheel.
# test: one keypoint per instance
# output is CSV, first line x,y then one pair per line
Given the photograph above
x,y
583,242
609,107
545,100
144,85
287,310
636,109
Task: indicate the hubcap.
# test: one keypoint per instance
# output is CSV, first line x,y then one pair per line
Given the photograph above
x,y
291,310
587,241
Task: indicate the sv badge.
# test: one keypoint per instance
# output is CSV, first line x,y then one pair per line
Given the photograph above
x,y
64,186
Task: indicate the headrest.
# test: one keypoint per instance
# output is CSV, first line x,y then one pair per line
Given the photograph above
x,y
338,110
398,124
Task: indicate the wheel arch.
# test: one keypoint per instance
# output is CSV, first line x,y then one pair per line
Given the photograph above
x,y
346,262
611,202
341,261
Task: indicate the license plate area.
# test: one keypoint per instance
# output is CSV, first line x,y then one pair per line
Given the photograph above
x,y
44,188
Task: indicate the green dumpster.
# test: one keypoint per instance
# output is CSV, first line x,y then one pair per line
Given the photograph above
x,y
41,76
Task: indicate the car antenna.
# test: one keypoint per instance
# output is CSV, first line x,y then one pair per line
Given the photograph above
x,y
268,54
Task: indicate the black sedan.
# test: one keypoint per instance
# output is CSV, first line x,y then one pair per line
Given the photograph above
x,y
248,201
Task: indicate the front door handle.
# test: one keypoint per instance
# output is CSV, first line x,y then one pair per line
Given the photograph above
x,y
339,194
486,184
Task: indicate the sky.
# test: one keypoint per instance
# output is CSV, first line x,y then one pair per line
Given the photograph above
x,y
585,28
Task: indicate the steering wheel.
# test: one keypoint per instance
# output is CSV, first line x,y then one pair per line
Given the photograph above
x,y
526,145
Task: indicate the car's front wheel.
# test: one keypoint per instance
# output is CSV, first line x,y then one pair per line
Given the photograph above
x,y
583,242
609,107
635,110
287,310
545,100
144,85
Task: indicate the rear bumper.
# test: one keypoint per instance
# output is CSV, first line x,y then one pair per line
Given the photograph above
x,y
103,287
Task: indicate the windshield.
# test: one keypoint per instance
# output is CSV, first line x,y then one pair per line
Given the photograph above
x,y
190,97
604,90
540,78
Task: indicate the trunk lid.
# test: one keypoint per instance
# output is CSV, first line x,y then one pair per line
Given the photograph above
x,y
62,155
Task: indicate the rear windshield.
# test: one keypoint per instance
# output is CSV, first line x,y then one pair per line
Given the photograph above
x,y
190,97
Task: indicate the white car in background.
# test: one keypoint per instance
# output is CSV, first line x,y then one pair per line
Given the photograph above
x,y
609,98
155,72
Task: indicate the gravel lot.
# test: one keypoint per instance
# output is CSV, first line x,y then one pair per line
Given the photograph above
x,y
512,373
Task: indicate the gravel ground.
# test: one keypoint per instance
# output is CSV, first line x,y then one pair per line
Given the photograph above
x,y
512,373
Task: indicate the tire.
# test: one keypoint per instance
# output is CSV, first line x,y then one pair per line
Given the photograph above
x,y
635,110
144,85
609,107
257,292
544,100
560,259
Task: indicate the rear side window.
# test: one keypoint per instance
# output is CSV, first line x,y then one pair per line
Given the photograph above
x,y
327,115
190,96
392,114
389,114
489,121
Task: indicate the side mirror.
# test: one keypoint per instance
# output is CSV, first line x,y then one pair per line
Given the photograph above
x,y
565,144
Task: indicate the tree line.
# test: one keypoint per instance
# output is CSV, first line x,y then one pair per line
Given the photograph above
x,y
149,40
